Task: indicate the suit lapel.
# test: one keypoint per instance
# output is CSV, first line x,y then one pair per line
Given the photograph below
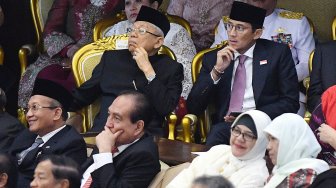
x,y
260,69
54,139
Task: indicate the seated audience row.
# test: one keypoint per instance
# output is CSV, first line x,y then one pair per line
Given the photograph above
x,y
291,146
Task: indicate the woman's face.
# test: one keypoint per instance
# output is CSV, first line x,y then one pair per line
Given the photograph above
x,y
242,140
132,8
272,147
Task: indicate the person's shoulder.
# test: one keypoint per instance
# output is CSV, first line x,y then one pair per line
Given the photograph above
x,y
7,120
270,44
288,15
145,143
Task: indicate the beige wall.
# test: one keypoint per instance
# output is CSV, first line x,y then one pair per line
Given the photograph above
x,y
321,12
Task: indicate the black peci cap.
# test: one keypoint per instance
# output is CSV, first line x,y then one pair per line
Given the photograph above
x,y
247,13
155,17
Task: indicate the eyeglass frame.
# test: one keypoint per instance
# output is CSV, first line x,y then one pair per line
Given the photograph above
x,y
144,31
37,107
239,28
234,132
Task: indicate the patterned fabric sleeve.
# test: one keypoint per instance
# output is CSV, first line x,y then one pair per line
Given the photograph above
x,y
55,38
185,50
302,178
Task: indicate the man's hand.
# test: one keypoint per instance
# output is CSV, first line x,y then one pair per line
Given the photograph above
x,y
106,140
229,118
224,58
141,57
327,134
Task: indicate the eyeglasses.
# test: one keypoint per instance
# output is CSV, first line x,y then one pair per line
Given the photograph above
x,y
34,108
238,28
142,31
235,131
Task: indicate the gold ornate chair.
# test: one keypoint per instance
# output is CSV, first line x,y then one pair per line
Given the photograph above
x,y
333,28
190,121
306,81
101,27
39,9
86,59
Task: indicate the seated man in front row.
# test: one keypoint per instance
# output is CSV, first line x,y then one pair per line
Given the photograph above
x,y
249,73
47,134
138,68
127,156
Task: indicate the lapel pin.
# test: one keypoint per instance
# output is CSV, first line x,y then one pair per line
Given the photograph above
x,y
47,147
263,62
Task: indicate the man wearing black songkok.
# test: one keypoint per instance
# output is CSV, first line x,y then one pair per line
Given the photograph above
x,y
47,133
248,73
137,68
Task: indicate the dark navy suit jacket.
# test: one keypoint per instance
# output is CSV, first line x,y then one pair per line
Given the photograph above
x,y
274,83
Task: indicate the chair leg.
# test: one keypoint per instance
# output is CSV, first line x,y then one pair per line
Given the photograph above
x,y
172,119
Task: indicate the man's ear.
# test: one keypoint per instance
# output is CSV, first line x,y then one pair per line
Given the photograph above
x,y
258,33
140,126
65,183
3,179
58,113
159,42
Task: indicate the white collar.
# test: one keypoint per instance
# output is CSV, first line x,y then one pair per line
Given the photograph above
x,y
46,137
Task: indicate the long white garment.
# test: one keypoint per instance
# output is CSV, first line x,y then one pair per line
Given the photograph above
x,y
249,171
178,40
297,150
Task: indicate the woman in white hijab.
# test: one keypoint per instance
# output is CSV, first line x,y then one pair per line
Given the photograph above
x,y
242,163
293,149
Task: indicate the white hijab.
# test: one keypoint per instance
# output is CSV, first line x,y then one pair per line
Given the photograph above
x,y
298,148
261,120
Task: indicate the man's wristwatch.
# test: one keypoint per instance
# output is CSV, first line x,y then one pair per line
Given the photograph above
x,y
151,77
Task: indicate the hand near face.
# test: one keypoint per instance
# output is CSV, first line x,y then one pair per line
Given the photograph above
x,y
229,118
141,57
327,134
106,140
224,58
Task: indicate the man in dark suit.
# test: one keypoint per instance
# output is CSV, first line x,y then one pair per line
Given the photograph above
x,y
10,126
138,68
249,73
127,156
47,134
323,74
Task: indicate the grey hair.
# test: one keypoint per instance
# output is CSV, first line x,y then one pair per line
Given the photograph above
x,y
157,29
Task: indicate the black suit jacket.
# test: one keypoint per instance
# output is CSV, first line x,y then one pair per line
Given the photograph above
x,y
275,85
66,142
118,71
323,74
10,127
135,167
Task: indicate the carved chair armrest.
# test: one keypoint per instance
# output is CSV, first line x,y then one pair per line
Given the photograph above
x,y
24,52
171,120
189,122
